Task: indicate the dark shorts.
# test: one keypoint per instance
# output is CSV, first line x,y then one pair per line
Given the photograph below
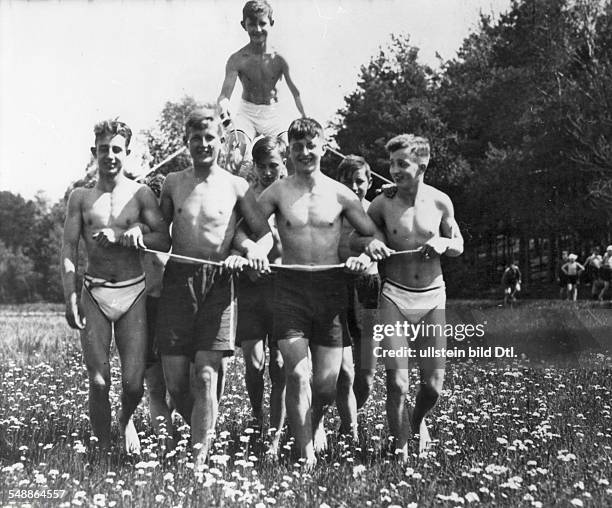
x,y
363,292
562,279
311,305
255,304
197,310
152,305
606,273
571,279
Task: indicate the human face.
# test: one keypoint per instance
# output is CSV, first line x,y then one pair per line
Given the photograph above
x,y
257,27
358,182
406,169
306,154
204,145
110,153
269,169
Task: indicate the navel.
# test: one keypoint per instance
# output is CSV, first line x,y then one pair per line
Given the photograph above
x,y
180,210
288,224
395,231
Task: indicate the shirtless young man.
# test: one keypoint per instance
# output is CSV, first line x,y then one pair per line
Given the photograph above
x,y
255,305
310,305
259,69
197,307
110,218
358,369
413,215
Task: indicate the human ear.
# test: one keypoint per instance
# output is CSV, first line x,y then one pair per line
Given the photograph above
x,y
242,24
94,151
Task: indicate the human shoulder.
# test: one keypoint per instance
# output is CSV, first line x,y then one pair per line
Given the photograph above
x,y
442,200
239,184
236,57
77,197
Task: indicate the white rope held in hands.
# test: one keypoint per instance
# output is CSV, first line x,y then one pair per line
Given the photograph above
x,y
296,267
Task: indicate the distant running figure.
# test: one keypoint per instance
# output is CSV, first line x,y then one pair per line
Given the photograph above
x,y
572,270
511,282
111,218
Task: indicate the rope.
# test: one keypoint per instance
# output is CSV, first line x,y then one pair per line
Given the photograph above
x,y
341,155
167,159
297,267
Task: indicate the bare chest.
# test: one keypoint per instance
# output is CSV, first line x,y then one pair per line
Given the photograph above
x,y
111,210
260,68
310,210
204,203
418,222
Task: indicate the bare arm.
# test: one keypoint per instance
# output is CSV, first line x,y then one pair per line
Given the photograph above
x,y
229,82
293,89
68,262
158,237
374,245
255,251
449,229
354,213
166,205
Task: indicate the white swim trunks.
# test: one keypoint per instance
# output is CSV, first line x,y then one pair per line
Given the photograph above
x,y
114,299
259,119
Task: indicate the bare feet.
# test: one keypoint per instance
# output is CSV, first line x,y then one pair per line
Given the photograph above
x,y
200,452
273,447
424,438
320,439
129,435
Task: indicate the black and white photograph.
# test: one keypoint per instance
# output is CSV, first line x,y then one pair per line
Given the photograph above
x,y
305,253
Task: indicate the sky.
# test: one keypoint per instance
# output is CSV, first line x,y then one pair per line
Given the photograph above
x,y
65,65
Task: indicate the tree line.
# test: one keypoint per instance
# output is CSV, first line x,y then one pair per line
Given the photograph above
x,y
520,123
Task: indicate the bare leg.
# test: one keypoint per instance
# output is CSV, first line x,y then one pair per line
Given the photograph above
x,y
345,397
160,412
365,361
298,396
255,366
222,377
277,398
205,406
176,374
397,389
326,362
432,379
131,339
95,343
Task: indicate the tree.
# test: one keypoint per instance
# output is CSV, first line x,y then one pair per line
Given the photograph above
x,y
394,95
167,137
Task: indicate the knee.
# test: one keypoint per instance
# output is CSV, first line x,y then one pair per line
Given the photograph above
x,y
277,371
133,388
156,387
204,380
324,391
255,365
433,383
346,378
298,376
99,383
397,385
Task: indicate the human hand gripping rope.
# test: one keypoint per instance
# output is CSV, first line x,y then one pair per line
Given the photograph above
x,y
296,267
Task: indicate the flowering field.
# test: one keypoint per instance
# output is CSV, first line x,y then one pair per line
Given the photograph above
x,y
513,435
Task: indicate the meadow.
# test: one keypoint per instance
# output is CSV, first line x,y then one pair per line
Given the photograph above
x,y
531,431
